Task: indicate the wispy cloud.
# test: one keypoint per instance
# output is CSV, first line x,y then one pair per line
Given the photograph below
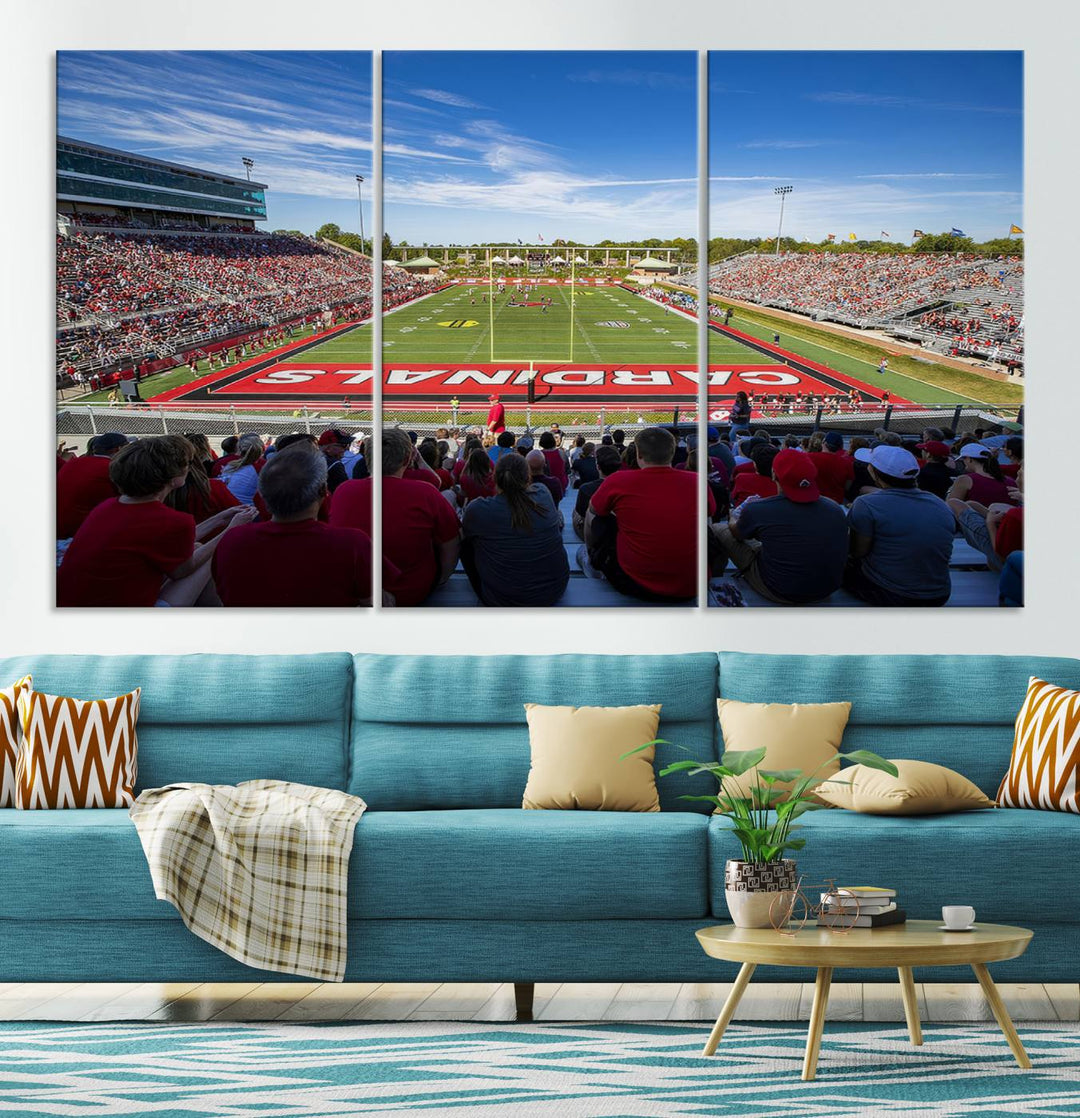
x,y
650,79
933,175
786,145
445,97
859,98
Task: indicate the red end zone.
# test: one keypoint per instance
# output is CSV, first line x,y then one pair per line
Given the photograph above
x,y
423,383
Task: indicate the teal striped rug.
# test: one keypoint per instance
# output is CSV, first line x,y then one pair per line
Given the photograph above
x,y
530,1071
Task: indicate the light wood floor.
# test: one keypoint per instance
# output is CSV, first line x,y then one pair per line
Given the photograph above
x,y
487,1001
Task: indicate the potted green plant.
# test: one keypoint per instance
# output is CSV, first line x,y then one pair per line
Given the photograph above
x,y
763,822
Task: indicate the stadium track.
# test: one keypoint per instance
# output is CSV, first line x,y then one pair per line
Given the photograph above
x,y
208,389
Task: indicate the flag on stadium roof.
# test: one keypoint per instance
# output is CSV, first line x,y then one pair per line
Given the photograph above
x,y
852,237
958,232
1014,229
540,235
916,234
830,237
884,234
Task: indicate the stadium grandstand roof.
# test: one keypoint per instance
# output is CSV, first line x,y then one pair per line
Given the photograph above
x,y
650,262
90,174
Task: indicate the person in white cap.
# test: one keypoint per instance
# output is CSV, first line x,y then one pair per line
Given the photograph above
x,y
982,483
901,536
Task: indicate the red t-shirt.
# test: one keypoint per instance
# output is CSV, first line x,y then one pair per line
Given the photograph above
x,y
752,485
303,564
496,419
556,466
202,508
422,475
416,520
1010,533
122,554
834,471
81,486
221,463
473,489
656,509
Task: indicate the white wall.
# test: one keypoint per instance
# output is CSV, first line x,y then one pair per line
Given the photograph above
x,y
1048,32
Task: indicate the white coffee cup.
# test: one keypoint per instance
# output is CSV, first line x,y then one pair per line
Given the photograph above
x,y
957,916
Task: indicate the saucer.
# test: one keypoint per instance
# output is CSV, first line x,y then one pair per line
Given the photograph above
x,y
946,928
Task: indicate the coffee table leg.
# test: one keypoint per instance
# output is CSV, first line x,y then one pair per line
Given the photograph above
x,y
730,1006
911,1004
817,1022
1001,1014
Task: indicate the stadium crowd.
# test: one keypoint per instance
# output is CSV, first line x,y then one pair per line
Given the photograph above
x,y
799,518
124,298
975,305
168,521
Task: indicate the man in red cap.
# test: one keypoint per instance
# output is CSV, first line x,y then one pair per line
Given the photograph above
x,y
496,420
790,548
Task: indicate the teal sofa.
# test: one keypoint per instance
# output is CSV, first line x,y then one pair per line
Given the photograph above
x,y
451,881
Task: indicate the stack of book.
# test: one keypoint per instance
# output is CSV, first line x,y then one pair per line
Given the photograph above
x,y
860,906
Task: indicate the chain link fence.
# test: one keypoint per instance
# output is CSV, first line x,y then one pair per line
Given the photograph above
x,y
84,420
132,419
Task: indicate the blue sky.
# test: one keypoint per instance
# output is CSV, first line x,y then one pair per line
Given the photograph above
x,y
871,141
304,117
575,144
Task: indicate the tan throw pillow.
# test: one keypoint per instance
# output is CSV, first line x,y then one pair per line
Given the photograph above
x,y
576,755
1044,771
75,752
919,788
9,738
794,735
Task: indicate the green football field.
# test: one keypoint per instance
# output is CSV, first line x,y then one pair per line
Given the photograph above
x,y
459,326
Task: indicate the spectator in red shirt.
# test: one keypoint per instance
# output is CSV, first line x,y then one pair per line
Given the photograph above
x,y
84,483
421,533
496,418
556,459
641,528
200,496
477,479
228,454
835,469
760,483
294,559
133,550
538,465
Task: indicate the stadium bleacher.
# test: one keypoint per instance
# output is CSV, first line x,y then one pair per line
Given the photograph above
x,y
124,295
962,304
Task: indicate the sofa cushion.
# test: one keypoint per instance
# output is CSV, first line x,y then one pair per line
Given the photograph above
x,y
512,864
497,864
954,710
580,762
219,719
1010,865
450,731
73,865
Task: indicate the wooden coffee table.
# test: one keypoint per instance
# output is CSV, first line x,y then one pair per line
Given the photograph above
x,y
918,943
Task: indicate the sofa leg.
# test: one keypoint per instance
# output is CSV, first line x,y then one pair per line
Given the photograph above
x,y
523,1000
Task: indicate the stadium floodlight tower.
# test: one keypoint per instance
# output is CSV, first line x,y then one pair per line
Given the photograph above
x,y
783,191
248,165
360,203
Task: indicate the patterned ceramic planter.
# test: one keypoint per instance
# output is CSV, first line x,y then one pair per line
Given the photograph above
x,y
751,889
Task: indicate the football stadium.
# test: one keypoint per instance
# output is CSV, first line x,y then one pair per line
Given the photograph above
x,y
526,389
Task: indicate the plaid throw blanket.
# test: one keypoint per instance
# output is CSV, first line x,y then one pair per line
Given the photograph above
x,y
258,869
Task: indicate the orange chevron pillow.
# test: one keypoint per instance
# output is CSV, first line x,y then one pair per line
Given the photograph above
x,y
9,738
75,752
1044,771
